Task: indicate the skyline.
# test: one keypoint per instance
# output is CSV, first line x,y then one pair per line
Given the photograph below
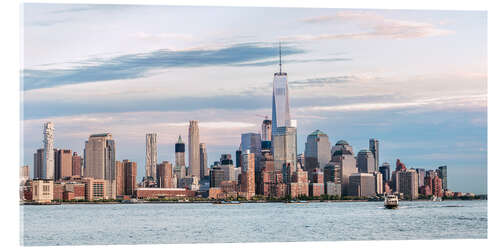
x,y
332,80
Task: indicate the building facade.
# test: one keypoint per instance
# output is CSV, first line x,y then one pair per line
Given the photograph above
x,y
76,165
344,157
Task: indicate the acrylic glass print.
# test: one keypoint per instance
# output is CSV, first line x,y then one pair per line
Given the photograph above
x,y
171,124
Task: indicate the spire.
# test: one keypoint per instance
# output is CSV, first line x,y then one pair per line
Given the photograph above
x,y
280,55
179,140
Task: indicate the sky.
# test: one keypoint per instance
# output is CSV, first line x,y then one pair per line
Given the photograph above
x,y
416,80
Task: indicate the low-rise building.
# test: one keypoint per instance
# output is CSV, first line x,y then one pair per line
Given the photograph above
x,y
159,193
43,190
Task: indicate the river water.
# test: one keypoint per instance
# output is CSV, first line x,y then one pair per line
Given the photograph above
x,y
90,224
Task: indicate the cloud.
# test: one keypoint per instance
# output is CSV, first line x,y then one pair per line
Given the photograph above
x,y
322,81
133,66
275,62
373,26
448,102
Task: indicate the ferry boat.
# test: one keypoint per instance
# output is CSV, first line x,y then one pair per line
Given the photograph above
x,y
297,201
391,201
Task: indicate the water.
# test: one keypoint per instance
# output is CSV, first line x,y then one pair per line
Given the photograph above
x,y
86,224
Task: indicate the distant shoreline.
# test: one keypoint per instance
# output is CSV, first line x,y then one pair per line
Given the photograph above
x,y
214,201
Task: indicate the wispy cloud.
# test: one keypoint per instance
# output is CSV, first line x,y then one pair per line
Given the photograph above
x,y
373,25
449,102
132,66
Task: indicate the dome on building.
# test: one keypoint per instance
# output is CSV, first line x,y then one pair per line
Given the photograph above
x,y
341,142
317,132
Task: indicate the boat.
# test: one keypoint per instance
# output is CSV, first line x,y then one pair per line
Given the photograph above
x,y
435,198
297,201
391,201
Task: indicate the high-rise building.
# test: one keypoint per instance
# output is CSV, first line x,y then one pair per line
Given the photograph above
x,y
421,177
408,183
38,164
180,153
443,174
248,174
120,177
266,130
151,155
226,164
252,142
130,176
362,184
344,156
285,148
385,169
379,183
76,164
204,160
281,104
194,149
63,164
216,176
99,155
48,169
374,148
238,157
333,172
317,151
166,178
365,161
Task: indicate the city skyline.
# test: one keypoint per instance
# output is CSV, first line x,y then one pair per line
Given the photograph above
x,y
431,136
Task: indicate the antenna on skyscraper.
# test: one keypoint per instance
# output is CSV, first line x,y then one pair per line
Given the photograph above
x,y
280,55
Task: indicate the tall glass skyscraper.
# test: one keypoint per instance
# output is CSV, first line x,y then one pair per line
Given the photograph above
x,y
281,104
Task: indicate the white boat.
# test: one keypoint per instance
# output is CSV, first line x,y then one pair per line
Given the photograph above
x,y
391,201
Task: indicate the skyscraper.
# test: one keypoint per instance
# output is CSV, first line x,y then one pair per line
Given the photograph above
x,y
385,169
38,164
266,129
194,149
343,155
130,168
375,151
151,155
76,164
63,164
248,174
365,161
180,153
99,155
285,148
443,174
252,142
48,167
166,178
408,183
317,151
203,160
281,105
